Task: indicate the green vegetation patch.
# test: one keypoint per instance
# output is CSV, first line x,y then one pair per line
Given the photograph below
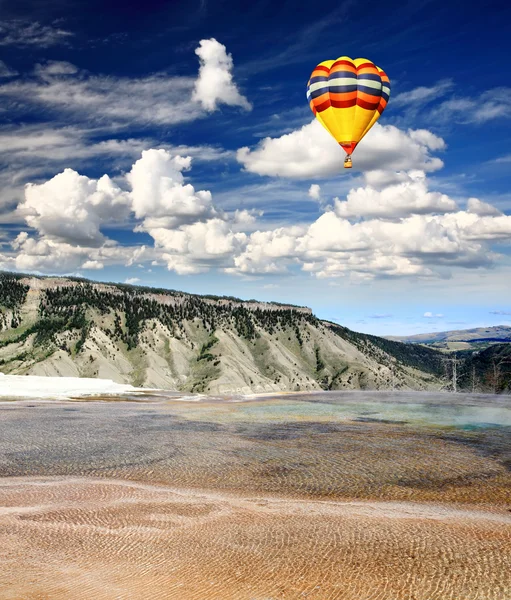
x,y
204,353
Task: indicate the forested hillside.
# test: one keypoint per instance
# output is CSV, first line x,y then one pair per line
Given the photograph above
x,y
169,339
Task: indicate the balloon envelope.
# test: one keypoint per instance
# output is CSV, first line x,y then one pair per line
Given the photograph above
x,y
347,97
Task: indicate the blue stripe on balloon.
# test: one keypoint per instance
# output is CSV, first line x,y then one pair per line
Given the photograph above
x,y
370,76
339,89
336,74
320,92
369,90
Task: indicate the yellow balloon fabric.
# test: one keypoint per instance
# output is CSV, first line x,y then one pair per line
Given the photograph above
x,y
347,97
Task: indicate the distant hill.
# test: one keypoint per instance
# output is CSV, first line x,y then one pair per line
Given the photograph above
x,y
169,339
460,339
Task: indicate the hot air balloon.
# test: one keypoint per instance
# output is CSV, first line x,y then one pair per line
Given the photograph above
x,y
347,97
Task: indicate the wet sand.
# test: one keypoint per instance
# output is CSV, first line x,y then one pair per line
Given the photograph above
x,y
323,496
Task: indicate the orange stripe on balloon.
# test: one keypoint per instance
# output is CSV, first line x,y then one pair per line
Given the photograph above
x,y
369,98
320,99
344,95
341,67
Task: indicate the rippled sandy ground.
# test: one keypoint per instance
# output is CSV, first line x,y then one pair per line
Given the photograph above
x,y
324,496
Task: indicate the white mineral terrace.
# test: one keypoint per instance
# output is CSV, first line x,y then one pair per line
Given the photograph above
x,y
20,386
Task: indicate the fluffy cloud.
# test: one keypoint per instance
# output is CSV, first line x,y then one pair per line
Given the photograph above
x,y
190,234
93,265
410,196
392,226
423,234
68,211
267,252
215,84
312,152
481,228
315,191
159,194
46,255
197,248
430,315
71,208
28,152
416,245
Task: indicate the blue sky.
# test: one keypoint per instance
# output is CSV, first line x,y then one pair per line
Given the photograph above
x,y
171,144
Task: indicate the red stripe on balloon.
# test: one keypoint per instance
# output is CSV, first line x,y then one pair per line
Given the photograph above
x,y
323,106
367,105
343,103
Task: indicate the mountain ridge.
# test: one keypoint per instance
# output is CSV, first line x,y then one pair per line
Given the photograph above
x,y
495,332
153,337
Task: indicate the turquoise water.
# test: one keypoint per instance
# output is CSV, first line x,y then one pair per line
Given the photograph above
x,y
421,413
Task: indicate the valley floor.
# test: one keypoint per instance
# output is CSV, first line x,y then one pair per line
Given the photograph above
x,y
322,496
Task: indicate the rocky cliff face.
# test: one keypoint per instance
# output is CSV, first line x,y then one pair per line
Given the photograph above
x,y
168,339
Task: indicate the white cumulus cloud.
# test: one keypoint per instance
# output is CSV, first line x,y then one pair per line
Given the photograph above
x,y
215,83
160,195
416,245
311,152
71,207
410,196
394,226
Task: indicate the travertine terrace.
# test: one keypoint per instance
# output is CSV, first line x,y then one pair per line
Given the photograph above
x,y
321,496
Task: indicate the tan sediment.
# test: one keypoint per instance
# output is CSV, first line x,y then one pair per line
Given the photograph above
x,y
83,538
273,498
